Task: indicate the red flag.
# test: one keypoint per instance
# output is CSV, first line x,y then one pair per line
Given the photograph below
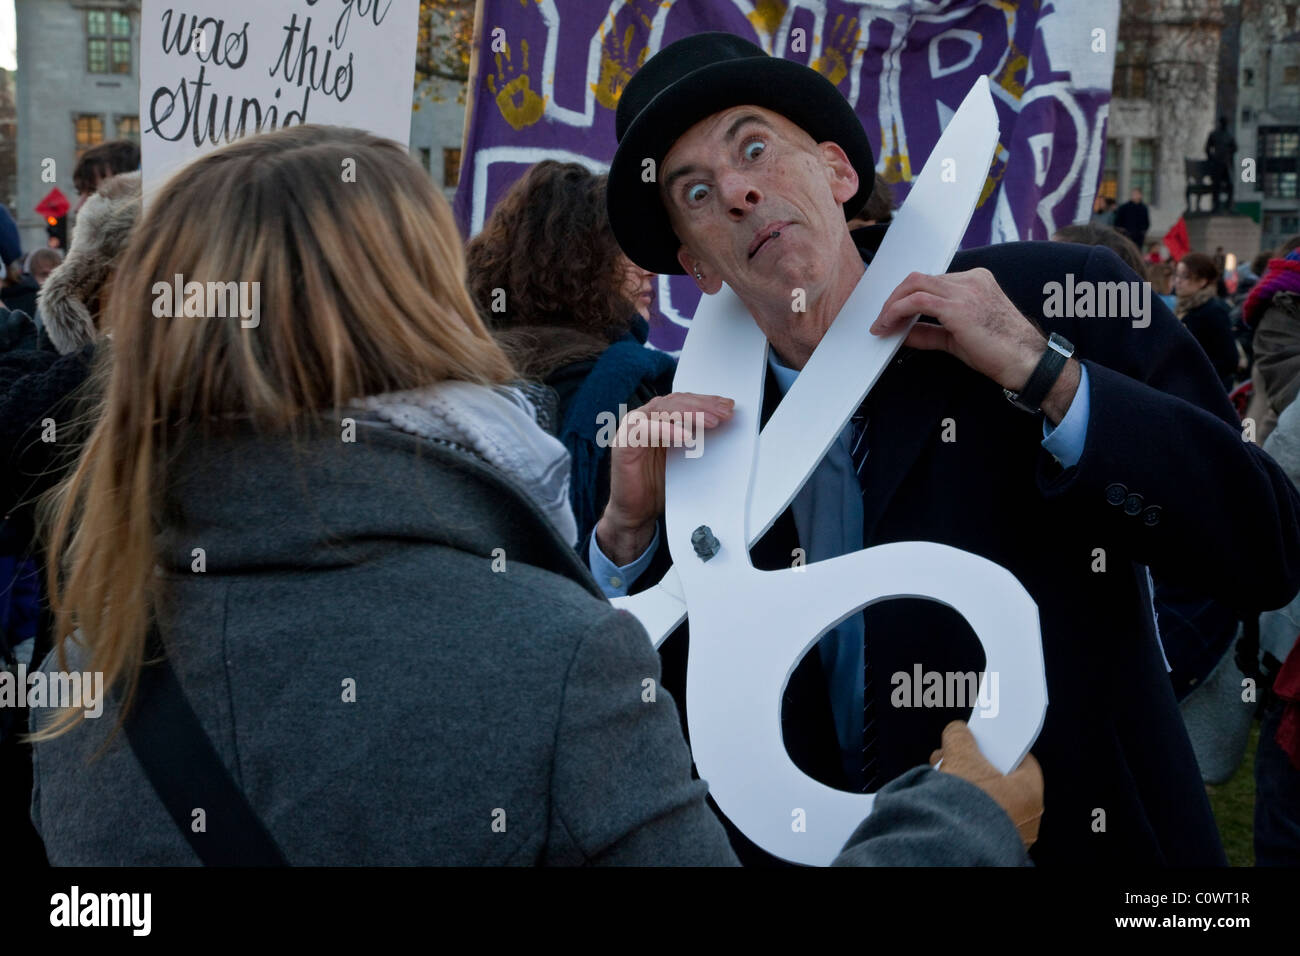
x,y
1176,240
54,204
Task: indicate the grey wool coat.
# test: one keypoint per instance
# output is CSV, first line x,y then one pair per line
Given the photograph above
x,y
509,696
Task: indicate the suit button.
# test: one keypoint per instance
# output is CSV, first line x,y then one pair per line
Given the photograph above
x,y
1115,493
1133,504
1151,517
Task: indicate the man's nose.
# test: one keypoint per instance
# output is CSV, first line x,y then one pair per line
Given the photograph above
x,y
740,194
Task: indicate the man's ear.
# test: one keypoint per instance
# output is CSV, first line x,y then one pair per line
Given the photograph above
x,y
707,282
843,177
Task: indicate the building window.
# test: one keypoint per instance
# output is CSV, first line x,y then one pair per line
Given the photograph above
x,y
90,132
108,41
426,158
1130,69
1142,169
1110,171
1280,225
1280,185
1279,147
1290,75
128,127
451,167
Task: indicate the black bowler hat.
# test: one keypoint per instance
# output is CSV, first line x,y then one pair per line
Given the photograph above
x,y
690,80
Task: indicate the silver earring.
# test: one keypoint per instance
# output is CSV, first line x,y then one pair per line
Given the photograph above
x,y
697,274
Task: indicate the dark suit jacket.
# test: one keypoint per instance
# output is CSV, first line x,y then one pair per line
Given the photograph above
x,y
1162,459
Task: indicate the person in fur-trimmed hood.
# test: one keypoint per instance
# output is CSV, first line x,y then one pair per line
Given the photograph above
x,y
69,302
35,384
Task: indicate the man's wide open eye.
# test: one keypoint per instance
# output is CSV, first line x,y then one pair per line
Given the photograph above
x,y
754,149
697,193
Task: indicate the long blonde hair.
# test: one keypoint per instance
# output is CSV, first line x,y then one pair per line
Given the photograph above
x,y
362,291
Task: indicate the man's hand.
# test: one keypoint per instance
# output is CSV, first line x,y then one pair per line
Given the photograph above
x,y
978,325
636,474
1019,793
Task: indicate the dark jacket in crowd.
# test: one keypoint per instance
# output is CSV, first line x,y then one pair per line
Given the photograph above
x,y
1212,329
627,373
17,331
21,296
1133,219
38,400
510,697
11,246
1163,459
40,405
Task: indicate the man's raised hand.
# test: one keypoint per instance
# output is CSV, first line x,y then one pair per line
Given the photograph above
x,y
637,462
978,325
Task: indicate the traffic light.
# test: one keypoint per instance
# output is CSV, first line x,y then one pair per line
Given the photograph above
x,y
56,227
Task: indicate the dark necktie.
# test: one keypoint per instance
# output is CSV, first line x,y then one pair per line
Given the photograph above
x,y
870,755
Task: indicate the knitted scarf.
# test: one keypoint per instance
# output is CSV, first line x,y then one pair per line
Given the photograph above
x,y
1283,275
1186,303
499,425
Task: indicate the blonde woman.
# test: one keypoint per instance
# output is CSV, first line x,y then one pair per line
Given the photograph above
x,y
356,546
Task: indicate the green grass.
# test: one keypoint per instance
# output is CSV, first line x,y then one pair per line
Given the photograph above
x,y
1234,807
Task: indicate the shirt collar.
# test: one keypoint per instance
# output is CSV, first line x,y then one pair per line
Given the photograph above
x,y
785,375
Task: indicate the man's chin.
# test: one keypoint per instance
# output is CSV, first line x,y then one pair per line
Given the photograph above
x,y
784,276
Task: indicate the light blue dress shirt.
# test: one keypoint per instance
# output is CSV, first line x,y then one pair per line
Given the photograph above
x,y
827,513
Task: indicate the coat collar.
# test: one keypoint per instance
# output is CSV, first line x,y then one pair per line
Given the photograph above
x,y
322,503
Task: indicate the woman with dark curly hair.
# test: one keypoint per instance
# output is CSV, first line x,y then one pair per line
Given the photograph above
x,y
571,310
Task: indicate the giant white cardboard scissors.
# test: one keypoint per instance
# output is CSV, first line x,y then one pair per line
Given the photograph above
x,y
750,628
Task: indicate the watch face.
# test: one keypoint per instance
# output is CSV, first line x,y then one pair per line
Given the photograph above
x,y
1061,344
1014,399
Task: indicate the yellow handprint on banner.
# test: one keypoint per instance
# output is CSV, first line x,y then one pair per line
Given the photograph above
x,y
838,52
617,63
767,15
518,103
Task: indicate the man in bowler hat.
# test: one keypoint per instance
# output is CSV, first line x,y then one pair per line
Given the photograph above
x,y
1086,452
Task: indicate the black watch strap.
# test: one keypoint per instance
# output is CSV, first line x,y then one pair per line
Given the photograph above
x,y
1030,398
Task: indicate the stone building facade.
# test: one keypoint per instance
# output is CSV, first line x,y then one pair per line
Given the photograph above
x,y
8,138
437,127
1162,101
1267,120
1179,66
78,85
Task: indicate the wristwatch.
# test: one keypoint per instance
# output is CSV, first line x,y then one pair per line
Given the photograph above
x,y
1030,398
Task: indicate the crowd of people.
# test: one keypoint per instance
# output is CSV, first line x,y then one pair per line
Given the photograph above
x,y
358,556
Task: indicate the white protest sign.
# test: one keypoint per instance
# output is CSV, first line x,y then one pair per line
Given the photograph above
x,y
212,71
750,628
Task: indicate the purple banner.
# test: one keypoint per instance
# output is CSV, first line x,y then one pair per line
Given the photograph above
x,y
551,71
